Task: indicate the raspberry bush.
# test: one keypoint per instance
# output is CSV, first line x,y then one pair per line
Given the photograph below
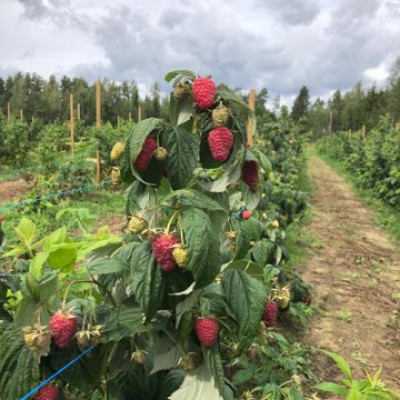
x,y
172,304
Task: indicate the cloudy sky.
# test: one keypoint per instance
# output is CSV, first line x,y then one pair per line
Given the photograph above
x,y
278,44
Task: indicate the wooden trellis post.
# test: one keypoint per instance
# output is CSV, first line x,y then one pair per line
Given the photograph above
x,y
139,114
21,115
72,124
252,106
364,132
130,117
118,122
398,126
98,104
9,112
349,133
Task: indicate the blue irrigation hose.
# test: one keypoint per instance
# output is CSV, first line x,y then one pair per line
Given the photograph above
x,y
50,378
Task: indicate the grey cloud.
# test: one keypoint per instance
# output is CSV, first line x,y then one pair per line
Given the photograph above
x,y
294,12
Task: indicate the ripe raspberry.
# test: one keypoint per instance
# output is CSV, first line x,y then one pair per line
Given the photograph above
x,y
144,157
220,116
246,214
181,256
47,393
203,92
136,225
207,331
250,174
162,247
270,314
63,326
220,141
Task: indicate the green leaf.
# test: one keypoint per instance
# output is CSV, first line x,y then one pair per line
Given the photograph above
x,y
36,264
250,267
183,149
194,198
100,266
213,358
203,245
180,112
26,312
125,321
331,387
247,299
139,133
48,286
340,362
264,252
186,305
198,385
166,354
63,258
148,280
26,231
179,72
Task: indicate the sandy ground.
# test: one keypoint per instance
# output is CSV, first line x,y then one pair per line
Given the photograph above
x,y
353,274
13,190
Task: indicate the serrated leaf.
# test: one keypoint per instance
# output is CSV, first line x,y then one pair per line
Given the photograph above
x,y
331,387
139,133
340,362
183,149
100,266
247,298
63,258
182,72
48,286
148,280
199,385
166,354
26,231
186,305
36,264
213,358
250,267
180,112
203,245
264,252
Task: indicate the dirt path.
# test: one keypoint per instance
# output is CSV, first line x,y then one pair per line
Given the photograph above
x,y
11,190
353,274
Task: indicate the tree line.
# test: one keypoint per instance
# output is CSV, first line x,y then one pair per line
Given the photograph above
x,y
48,100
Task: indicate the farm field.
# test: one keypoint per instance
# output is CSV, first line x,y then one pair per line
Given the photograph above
x,y
195,263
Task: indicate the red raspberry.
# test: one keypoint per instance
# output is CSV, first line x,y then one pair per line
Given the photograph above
x,y
250,174
207,331
144,157
47,393
203,92
270,314
63,327
246,214
220,141
162,247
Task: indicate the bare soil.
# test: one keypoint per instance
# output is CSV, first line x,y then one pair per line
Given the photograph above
x,y
12,190
354,273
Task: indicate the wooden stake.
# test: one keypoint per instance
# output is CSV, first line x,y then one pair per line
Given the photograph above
x,y
118,122
130,117
330,121
72,124
398,126
98,104
78,111
139,114
21,115
364,132
252,106
9,112
350,133
98,166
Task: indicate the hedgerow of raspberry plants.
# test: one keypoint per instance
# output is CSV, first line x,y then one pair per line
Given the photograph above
x,y
183,293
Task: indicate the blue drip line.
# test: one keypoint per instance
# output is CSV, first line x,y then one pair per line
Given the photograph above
x,y
50,378
52,196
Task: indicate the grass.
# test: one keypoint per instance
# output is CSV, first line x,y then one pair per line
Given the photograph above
x,y
386,217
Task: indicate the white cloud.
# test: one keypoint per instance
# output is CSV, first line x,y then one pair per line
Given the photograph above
x,y
281,45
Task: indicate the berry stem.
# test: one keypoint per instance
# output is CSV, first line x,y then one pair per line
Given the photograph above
x,y
172,219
